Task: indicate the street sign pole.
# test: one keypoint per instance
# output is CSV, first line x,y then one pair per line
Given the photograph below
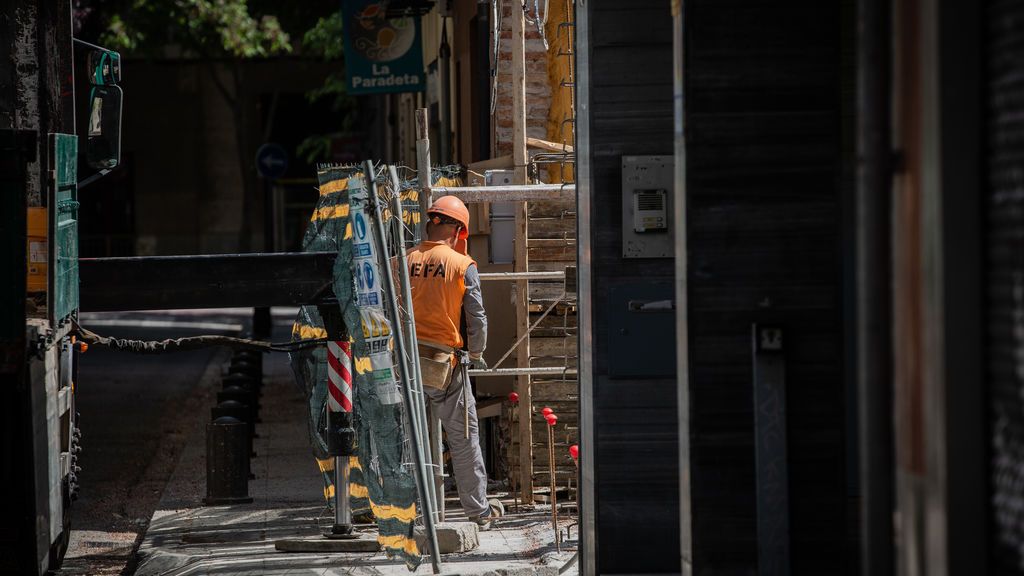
x,y
271,164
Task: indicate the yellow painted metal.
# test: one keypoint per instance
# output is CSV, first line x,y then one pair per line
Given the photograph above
x,y
36,249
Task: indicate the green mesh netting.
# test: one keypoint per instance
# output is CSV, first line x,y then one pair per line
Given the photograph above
x,y
381,479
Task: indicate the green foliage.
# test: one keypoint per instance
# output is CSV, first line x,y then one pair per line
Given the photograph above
x,y
324,39
120,36
227,31
333,87
315,148
205,28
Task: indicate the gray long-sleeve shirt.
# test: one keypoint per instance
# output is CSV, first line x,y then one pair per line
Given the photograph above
x,y
476,316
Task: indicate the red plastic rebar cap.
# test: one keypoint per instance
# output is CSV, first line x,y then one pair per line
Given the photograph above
x,y
547,411
552,419
574,451
513,398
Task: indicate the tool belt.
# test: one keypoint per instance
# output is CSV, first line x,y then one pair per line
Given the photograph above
x,y
437,362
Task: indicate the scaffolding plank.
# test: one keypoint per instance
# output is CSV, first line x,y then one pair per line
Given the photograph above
x,y
553,209
552,249
552,362
552,347
552,228
554,391
566,322
546,291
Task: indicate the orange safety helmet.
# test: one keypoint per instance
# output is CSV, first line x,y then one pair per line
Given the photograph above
x,y
453,208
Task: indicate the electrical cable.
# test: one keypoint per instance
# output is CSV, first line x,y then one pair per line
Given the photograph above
x,y
191,343
496,32
540,21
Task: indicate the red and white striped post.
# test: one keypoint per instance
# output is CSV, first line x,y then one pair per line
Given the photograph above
x,y
339,376
341,434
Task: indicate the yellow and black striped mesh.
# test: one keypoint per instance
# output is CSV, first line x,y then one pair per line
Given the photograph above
x,y
358,495
380,481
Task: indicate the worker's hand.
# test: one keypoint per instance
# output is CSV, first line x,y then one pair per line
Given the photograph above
x,y
477,362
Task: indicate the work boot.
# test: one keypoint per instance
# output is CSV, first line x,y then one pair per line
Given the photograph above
x,y
497,508
484,522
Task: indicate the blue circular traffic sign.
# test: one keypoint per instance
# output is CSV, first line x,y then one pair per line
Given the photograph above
x,y
360,226
368,275
271,161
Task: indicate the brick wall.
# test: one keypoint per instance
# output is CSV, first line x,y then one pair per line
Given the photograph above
x,y
538,91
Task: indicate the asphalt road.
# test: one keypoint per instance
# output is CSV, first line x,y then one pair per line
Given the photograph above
x,y
134,411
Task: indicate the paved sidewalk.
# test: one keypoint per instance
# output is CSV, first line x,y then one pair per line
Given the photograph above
x,y
184,537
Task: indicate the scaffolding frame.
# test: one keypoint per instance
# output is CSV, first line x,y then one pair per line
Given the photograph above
x,y
521,191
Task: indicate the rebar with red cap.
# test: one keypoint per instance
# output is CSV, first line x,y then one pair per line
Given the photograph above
x,y
513,399
574,452
552,419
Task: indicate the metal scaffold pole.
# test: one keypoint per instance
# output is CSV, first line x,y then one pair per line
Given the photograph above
x,y
520,159
391,297
424,174
533,371
509,193
418,409
423,167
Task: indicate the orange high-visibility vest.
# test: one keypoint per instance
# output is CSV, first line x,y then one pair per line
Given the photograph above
x,y
437,278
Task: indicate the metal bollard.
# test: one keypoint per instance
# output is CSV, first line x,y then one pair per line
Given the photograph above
x,y
256,361
246,369
231,409
248,385
239,394
238,411
252,358
227,462
249,356
240,380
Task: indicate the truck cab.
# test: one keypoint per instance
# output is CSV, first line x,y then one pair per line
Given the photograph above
x,y
47,154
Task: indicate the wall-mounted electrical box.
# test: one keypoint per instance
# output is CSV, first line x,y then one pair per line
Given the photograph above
x,y
647,199
503,219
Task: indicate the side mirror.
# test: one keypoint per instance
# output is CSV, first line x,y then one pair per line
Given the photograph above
x,y
104,67
103,150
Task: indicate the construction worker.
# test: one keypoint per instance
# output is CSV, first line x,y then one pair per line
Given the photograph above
x,y
444,282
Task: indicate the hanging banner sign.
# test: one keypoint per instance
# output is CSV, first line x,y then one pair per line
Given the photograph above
x,y
381,55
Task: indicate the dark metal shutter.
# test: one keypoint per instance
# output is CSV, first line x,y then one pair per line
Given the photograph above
x,y
764,213
1005,246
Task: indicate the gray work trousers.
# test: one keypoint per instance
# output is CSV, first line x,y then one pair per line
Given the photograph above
x,y
467,459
